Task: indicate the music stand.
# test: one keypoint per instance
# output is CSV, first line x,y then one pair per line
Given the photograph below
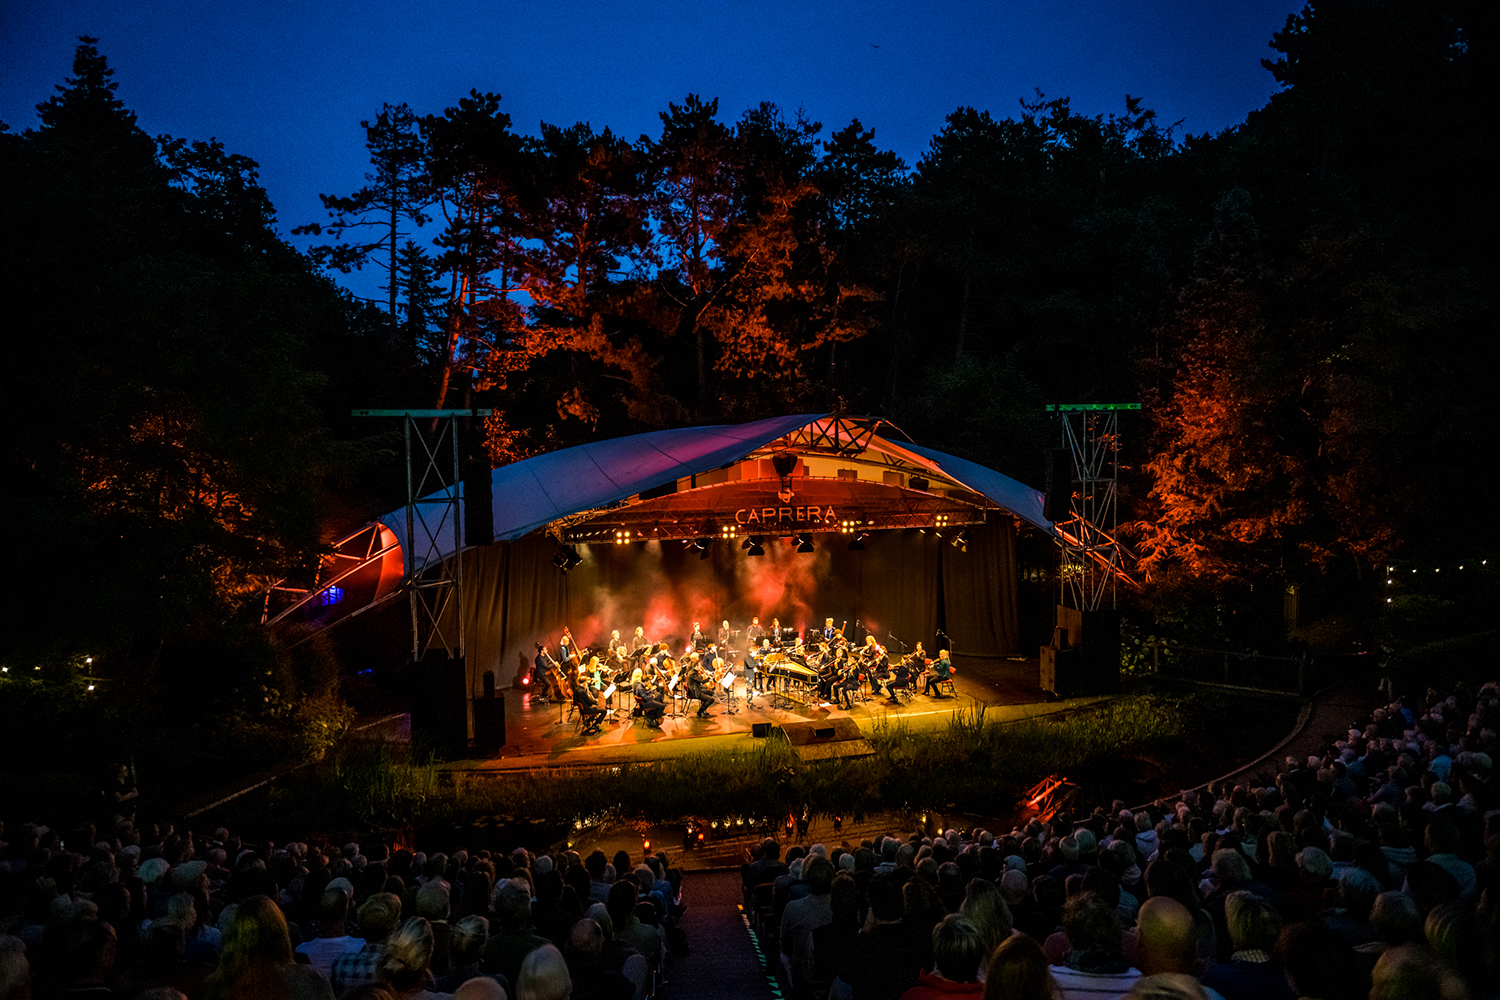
x,y
728,685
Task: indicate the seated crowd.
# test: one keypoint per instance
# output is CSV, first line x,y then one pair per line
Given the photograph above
x,y
146,913
1372,870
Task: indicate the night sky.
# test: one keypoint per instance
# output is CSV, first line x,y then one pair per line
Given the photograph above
x,y
287,83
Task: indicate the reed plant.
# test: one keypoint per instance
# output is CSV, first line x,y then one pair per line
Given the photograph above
x,y
973,763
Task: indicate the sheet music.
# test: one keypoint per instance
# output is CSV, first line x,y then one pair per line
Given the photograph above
x,y
609,691
727,682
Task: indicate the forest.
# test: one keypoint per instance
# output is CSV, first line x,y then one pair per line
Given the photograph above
x,y
1305,305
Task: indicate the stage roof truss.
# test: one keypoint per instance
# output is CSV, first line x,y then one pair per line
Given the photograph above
x,y
348,556
710,512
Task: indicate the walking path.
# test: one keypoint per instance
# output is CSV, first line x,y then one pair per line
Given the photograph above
x,y
725,960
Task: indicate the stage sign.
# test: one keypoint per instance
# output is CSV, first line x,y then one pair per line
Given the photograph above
x,y
777,516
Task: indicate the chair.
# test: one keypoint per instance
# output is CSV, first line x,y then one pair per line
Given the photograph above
x,y
946,687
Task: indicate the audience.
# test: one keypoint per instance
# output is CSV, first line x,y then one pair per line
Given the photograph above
x,y
1370,870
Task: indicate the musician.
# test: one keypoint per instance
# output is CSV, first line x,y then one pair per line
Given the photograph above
x,y
639,642
899,677
700,686
754,634
589,708
776,632
566,647
828,630
648,697
942,670
753,660
539,677
846,683
700,638
725,635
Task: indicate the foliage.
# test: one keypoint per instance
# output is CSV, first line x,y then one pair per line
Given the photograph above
x,y
974,763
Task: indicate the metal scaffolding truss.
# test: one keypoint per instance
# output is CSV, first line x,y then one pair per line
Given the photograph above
x,y
349,555
1093,560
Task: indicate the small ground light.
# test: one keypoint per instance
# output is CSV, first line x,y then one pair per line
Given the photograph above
x,y
91,687
88,659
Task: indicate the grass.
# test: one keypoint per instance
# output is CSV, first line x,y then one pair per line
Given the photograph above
x,y
974,764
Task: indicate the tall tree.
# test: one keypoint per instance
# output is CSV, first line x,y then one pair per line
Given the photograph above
x,y
391,207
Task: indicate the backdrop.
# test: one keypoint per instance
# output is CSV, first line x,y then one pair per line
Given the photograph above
x,y
901,588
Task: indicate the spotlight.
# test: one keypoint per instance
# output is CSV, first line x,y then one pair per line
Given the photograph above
x,y
704,553
804,543
756,550
560,561
573,558
959,541
747,543
857,545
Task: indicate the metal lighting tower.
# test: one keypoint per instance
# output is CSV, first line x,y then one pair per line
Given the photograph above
x,y
1092,559
433,584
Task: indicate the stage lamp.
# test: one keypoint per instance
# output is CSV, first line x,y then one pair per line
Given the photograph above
x,y
959,541
704,552
747,543
804,543
755,549
560,561
858,545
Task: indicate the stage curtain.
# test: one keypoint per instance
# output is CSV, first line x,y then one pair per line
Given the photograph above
x,y
514,597
979,591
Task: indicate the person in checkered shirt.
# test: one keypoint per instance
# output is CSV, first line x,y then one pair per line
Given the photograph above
x,y
378,917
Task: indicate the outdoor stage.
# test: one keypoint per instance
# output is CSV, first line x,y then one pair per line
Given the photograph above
x,y
539,734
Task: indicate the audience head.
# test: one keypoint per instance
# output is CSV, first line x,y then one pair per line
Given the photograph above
x,y
1017,970
1091,924
544,976
958,949
1254,924
467,939
407,954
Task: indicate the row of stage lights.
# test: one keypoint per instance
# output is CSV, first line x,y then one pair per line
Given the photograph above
x,y
754,545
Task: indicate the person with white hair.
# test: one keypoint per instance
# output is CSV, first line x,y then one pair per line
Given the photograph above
x,y
544,976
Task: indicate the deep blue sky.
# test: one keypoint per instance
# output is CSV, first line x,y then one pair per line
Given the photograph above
x,y
288,82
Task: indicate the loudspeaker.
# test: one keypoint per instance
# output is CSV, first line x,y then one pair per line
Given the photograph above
x,y
823,732
1061,672
489,684
1058,504
489,724
479,504
760,730
438,716
1099,652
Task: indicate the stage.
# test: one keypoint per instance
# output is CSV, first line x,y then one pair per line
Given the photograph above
x,y
541,734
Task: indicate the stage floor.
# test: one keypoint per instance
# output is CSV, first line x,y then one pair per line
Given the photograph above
x,y
539,734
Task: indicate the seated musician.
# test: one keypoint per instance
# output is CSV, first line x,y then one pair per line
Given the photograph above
x,y
540,681
700,686
847,682
899,678
942,670
649,700
589,708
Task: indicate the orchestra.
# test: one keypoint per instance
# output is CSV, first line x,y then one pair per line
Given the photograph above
x,y
824,667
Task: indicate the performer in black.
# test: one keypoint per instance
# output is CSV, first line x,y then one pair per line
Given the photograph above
x,y
726,635
700,637
776,632
844,686
754,634
753,659
589,707
650,701
639,642
700,686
